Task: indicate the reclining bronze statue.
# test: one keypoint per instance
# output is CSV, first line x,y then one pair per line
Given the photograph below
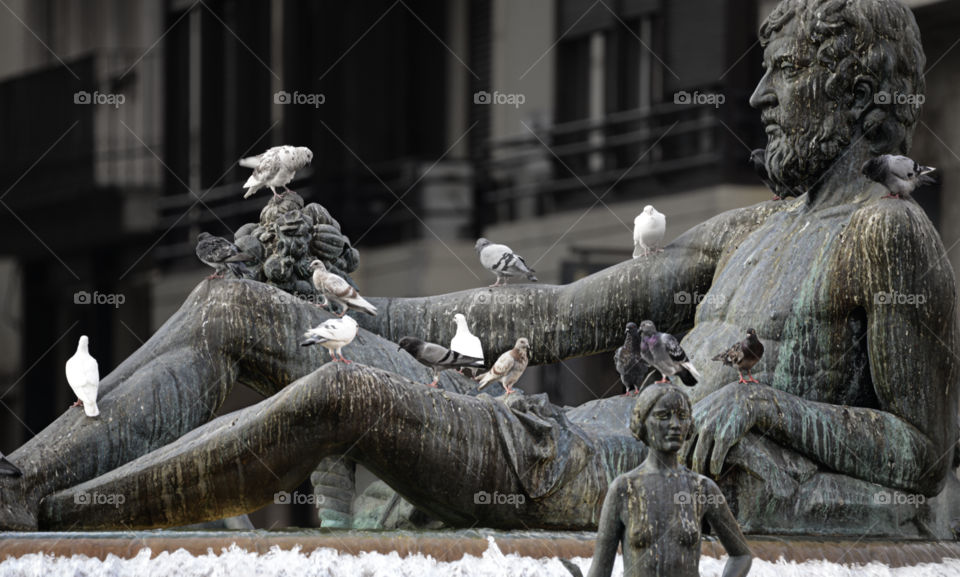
x,y
853,431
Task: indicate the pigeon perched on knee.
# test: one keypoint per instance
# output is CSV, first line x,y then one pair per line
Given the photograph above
x,y
898,174
502,261
437,358
338,291
662,352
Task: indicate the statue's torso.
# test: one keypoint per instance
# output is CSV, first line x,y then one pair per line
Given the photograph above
x,y
786,280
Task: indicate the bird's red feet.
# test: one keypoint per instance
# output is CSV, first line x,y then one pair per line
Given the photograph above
x,y
345,360
776,198
752,380
896,196
664,381
214,275
79,403
434,383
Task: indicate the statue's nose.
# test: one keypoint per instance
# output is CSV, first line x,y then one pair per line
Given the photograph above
x,y
764,95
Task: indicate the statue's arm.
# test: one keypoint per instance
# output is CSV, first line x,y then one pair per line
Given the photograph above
x,y
581,318
611,531
725,526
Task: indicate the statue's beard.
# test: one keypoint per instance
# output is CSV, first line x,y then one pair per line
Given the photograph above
x,y
801,152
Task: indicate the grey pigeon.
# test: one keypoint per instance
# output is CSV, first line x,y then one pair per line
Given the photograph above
x,y
743,355
337,291
899,174
436,357
502,261
662,352
758,159
630,363
508,367
9,469
275,167
222,254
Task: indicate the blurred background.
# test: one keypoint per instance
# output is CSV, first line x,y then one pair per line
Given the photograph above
x,y
410,154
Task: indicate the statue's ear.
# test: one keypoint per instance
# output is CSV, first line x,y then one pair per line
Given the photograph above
x,y
864,92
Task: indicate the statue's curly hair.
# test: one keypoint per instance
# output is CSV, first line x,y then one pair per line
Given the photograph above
x,y
876,41
646,401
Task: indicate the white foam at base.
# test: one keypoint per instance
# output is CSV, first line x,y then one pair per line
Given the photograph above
x,y
236,562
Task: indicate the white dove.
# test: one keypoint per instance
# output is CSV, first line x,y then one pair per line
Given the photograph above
x,y
333,335
275,167
464,342
83,374
648,229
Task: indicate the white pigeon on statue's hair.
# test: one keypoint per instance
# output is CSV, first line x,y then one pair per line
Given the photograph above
x,y
899,174
275,167
83,374
648,229
503,262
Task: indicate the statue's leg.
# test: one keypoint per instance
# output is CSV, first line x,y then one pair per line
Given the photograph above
x,y
163,398
433,447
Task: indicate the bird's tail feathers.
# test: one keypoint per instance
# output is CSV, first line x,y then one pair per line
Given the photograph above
x,y
313,341
250,161
9,469
91,409
239,269
637,250
693,370
241,257
531,277
364,306
927,176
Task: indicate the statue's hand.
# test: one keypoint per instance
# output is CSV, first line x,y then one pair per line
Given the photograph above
x,y
721,419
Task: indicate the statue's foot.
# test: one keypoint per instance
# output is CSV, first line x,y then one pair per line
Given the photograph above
x,y
15,515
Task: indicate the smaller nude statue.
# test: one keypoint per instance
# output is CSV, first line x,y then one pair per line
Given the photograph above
x,y
656,510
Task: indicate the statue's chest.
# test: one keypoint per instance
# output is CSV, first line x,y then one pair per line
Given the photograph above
x,y
781,271
660,505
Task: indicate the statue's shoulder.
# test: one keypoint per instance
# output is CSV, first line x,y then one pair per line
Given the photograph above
x,y
899,223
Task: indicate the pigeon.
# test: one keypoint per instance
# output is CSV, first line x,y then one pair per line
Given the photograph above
x,y
436,357
648,229
508,367
630,363
743,355
464,342
222,254
758,159
662,352
9,469
899,174
333,335
275,167
337,291
502,261
83,374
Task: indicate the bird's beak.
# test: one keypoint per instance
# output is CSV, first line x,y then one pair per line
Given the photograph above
x,y
399,347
